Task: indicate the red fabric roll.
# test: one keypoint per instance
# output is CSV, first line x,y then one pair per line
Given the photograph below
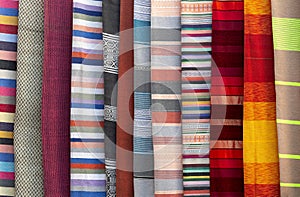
x,y
56,97
124,154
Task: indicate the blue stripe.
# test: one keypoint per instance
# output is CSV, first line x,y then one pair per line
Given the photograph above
x,y
6,126
87,194
87,106
89,161
8,37
87,61
86,12
87,34
7,157
7,167
8,83
196,116
8,12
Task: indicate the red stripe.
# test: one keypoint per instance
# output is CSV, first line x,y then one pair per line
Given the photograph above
x,y
7,108
226,154
8,29
9,4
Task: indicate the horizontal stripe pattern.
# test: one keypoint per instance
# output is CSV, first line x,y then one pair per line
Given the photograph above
x,y
87,105
8,55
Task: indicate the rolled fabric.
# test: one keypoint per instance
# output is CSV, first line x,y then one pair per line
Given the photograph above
x,y
8,56
87,101
28,133
166,97
142,144
124,153
286,28
111,26
260,132
56,97
196,24
226,137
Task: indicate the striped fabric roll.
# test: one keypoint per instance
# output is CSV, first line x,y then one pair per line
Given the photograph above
x,y
286,28
8,55
196,20
111,25
87,101
226,156
143,146
166,97
28,133
260,136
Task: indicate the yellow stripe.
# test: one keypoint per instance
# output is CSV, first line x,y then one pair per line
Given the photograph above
x,y
8,20
7,117
287,83
196,177
293,122
4,134
289,156
290,184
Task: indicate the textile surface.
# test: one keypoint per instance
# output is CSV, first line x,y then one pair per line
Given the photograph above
x,y
166,97
124,153
8,55
111,25
260,136
226,137
56,97
196,23
87,101
28,133
286,28
143,146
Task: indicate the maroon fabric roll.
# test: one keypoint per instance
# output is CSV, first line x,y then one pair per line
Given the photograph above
x,y
124,154
56,97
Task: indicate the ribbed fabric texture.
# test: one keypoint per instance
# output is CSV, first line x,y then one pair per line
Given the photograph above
x,y
143,147
226,137
260,136
8,55
56,97
28,133
111,25
124,154
286,28
166,97
87,101
196,23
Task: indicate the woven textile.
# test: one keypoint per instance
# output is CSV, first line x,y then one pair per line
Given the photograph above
x,y
196,19
87,101
226,156
56,97
260,136
143,146
286,28
8,48
124,154
166,96
111,23
27,133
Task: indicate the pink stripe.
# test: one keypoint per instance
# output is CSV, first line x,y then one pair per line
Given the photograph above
x,y
6,149
7,175
7,91
8,55
9,4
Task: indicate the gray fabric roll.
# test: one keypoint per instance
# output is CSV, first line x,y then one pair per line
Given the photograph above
x,y
27,133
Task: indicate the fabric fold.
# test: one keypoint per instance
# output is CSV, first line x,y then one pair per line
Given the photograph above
x,y
166,97
260,132
226,130
286,28
87,101
111,26
56,97
143,165
8,56
196,24
28,133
